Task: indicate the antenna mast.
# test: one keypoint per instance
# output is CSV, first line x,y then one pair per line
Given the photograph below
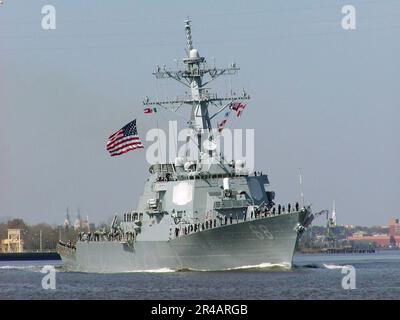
x,y
196,75
301,188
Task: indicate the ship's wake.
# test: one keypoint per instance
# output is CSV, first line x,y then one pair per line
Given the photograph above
x,y
262,267
318,266
332,266
160,270
284,266
259,267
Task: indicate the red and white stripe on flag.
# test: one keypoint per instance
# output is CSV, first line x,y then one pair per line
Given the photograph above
x,y
124,140
238,107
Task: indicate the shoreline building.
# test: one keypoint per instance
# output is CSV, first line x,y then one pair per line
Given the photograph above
x,y
13,243
392,239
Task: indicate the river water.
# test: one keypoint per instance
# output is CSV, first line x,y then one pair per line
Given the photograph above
x,y
313,276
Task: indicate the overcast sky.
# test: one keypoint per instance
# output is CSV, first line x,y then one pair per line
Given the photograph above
x,y
324,99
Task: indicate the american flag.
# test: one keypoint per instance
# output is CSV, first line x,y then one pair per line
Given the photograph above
x,y
124,140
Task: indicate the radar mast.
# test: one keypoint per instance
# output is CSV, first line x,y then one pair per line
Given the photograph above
x,y
196,75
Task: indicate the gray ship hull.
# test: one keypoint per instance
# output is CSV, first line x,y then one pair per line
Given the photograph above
x,y
265,240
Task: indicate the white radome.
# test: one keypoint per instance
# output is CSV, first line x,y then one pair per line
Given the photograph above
x,y
194,53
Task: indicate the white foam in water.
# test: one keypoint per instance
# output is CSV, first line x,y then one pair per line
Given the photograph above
x,y
333,266
161,270
265,265
30,268
18,267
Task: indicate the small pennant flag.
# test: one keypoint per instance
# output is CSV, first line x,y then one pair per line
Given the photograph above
x,y
124,140
150,110
221,125
238,107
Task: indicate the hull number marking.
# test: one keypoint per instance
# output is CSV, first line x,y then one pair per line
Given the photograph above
x,y
261,231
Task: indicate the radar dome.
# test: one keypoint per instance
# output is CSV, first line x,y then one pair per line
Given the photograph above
x,y
194,53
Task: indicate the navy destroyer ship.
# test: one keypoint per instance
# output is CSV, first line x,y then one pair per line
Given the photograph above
x,y
197,213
